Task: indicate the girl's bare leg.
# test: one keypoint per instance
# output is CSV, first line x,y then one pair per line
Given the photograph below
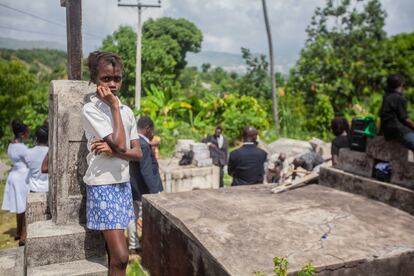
x,y
118,251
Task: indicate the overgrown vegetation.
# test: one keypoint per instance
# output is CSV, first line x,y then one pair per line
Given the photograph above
x,y
341,71
280,268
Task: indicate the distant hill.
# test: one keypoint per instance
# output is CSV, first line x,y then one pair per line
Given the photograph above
x,y
228,61
46,64
231,62
10,43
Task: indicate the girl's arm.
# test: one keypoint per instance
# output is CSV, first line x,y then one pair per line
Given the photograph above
x,y
116,140
133,154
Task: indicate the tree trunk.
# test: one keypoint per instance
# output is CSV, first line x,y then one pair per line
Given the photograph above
x,y
272,69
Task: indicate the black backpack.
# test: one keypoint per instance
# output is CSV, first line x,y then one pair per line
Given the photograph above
x,y
186,159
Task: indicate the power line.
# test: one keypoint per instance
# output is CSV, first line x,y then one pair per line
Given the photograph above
x,y
43,19
33,32
28,31
33,15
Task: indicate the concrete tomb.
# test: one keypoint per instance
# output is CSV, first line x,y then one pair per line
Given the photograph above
x,y
201,174
350,224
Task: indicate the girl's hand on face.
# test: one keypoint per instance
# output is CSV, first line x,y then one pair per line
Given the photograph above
x,y
106,95
100,146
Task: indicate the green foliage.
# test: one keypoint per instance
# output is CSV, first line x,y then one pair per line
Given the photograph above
x,y
343,53
184,32
15,84
241,111
280,266
24,81
256,82
135,269
307,270
165,42
322,114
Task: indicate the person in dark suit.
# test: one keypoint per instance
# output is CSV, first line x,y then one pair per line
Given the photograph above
x,y
218,146
246,164
145,176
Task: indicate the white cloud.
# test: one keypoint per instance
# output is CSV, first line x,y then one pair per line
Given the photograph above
x,y
227,25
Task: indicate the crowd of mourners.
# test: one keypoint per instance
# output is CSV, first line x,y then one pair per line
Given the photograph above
x,y
122,159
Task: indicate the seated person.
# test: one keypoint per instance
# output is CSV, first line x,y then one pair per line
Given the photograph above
x,y
277,169
246,164
395,123
308,161
340,129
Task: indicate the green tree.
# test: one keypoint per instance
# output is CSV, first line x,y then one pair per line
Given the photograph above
x,y
15,85
256,82
164,46
184,32
343,55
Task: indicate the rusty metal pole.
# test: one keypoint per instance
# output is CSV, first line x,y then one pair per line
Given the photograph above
x,y
74,37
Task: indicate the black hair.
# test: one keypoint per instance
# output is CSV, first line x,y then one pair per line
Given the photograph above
x,y
18,127
219,127
42,134
393,82
145,122
95,58
339,125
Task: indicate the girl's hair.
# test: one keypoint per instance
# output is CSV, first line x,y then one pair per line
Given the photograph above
x,y
42,134
18,127
339,125
95,58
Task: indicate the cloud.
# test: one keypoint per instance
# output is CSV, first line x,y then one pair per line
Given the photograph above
x,y
227,25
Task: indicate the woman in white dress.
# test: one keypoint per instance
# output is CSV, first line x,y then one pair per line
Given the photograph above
x,y
16,190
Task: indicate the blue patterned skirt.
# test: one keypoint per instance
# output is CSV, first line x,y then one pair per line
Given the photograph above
x,y
109,206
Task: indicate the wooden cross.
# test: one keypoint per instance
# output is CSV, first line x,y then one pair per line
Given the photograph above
x,y
74,37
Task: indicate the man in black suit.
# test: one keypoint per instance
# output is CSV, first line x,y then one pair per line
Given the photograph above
x,y
246,164
218,145
145,176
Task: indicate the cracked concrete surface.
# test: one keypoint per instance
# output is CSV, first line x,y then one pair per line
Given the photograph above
x,y
242,229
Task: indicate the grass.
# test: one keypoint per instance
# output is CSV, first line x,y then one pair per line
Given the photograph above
x,y
7,224
134,266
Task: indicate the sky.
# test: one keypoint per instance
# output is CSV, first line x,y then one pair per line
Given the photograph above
x,y
227,25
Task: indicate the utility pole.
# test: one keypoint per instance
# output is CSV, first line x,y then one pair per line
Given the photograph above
x,y
139,7
74,37
272,69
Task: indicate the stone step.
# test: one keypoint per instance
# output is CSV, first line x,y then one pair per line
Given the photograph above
x,y
91,267
12,261
37,207
391,194
48,243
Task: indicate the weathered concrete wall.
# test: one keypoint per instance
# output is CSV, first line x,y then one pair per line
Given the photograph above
x,y
391,194
236,231
67,153
37,208
362,163
177,178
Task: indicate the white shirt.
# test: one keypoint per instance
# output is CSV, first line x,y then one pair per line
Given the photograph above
x,y
37,181
144,137
98,123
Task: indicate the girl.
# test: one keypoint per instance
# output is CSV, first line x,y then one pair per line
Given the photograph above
x,y
112,140
16,190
